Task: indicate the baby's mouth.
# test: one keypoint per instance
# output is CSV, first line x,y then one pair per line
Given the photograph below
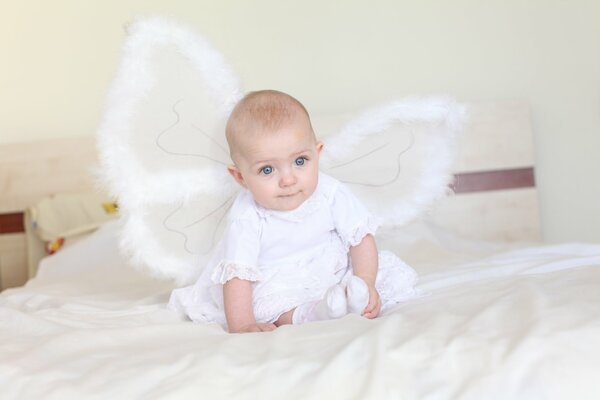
x,y
289,195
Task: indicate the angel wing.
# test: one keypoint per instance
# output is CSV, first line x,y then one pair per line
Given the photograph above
x,y
397,158
162,147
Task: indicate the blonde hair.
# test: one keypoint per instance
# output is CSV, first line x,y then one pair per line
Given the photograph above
x,y
263,111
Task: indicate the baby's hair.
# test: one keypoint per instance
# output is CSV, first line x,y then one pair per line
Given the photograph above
x,y
261,111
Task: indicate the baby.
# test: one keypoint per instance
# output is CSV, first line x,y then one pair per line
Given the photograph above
x,y
299,245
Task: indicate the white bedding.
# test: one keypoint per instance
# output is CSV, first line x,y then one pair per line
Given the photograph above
x,y
519,324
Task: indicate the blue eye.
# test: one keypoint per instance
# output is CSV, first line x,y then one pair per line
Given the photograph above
x,y
266,170
300,161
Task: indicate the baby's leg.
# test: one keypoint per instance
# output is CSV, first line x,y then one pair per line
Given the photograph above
x,y
333,305
285,318
358,295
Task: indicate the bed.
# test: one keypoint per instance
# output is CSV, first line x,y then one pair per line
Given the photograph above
x,y
500,315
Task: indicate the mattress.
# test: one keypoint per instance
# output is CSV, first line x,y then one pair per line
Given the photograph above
x,y
492,322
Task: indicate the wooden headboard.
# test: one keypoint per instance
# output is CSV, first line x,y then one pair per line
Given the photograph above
x,y
496,198
495,195
31,171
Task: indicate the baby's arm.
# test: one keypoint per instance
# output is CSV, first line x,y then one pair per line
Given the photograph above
x,y
237,296
365,265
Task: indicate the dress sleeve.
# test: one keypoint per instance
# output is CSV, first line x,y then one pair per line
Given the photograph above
x,y
351,218
239,256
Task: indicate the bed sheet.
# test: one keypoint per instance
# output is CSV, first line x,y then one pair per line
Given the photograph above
x,y
523,323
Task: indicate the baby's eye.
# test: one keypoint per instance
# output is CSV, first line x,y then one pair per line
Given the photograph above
x,y
300,161
266,169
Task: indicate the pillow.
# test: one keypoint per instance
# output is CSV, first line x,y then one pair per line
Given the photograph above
x,y
62,219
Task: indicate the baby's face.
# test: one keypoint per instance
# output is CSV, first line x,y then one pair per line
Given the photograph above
x,y
281,168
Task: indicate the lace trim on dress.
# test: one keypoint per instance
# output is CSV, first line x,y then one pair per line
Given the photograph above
x,y
227,270
356,235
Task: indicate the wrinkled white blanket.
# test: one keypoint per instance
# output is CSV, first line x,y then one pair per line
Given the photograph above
x,y
522,324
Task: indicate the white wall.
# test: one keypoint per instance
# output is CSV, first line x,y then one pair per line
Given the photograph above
x,y
58,58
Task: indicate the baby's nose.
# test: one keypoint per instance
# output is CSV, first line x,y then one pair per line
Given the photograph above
x,y
287,178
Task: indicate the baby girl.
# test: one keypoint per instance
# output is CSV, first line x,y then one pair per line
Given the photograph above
x,y
299,245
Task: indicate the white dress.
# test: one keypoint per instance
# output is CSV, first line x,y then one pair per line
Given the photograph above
x,y
292,257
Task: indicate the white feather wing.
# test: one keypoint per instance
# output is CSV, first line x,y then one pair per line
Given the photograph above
x,y
162,147
397,158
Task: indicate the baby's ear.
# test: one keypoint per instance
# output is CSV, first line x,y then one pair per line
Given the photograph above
x,y
319,147
237,175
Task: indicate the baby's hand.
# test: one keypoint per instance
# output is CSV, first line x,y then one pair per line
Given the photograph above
x,y
255,327
374,306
